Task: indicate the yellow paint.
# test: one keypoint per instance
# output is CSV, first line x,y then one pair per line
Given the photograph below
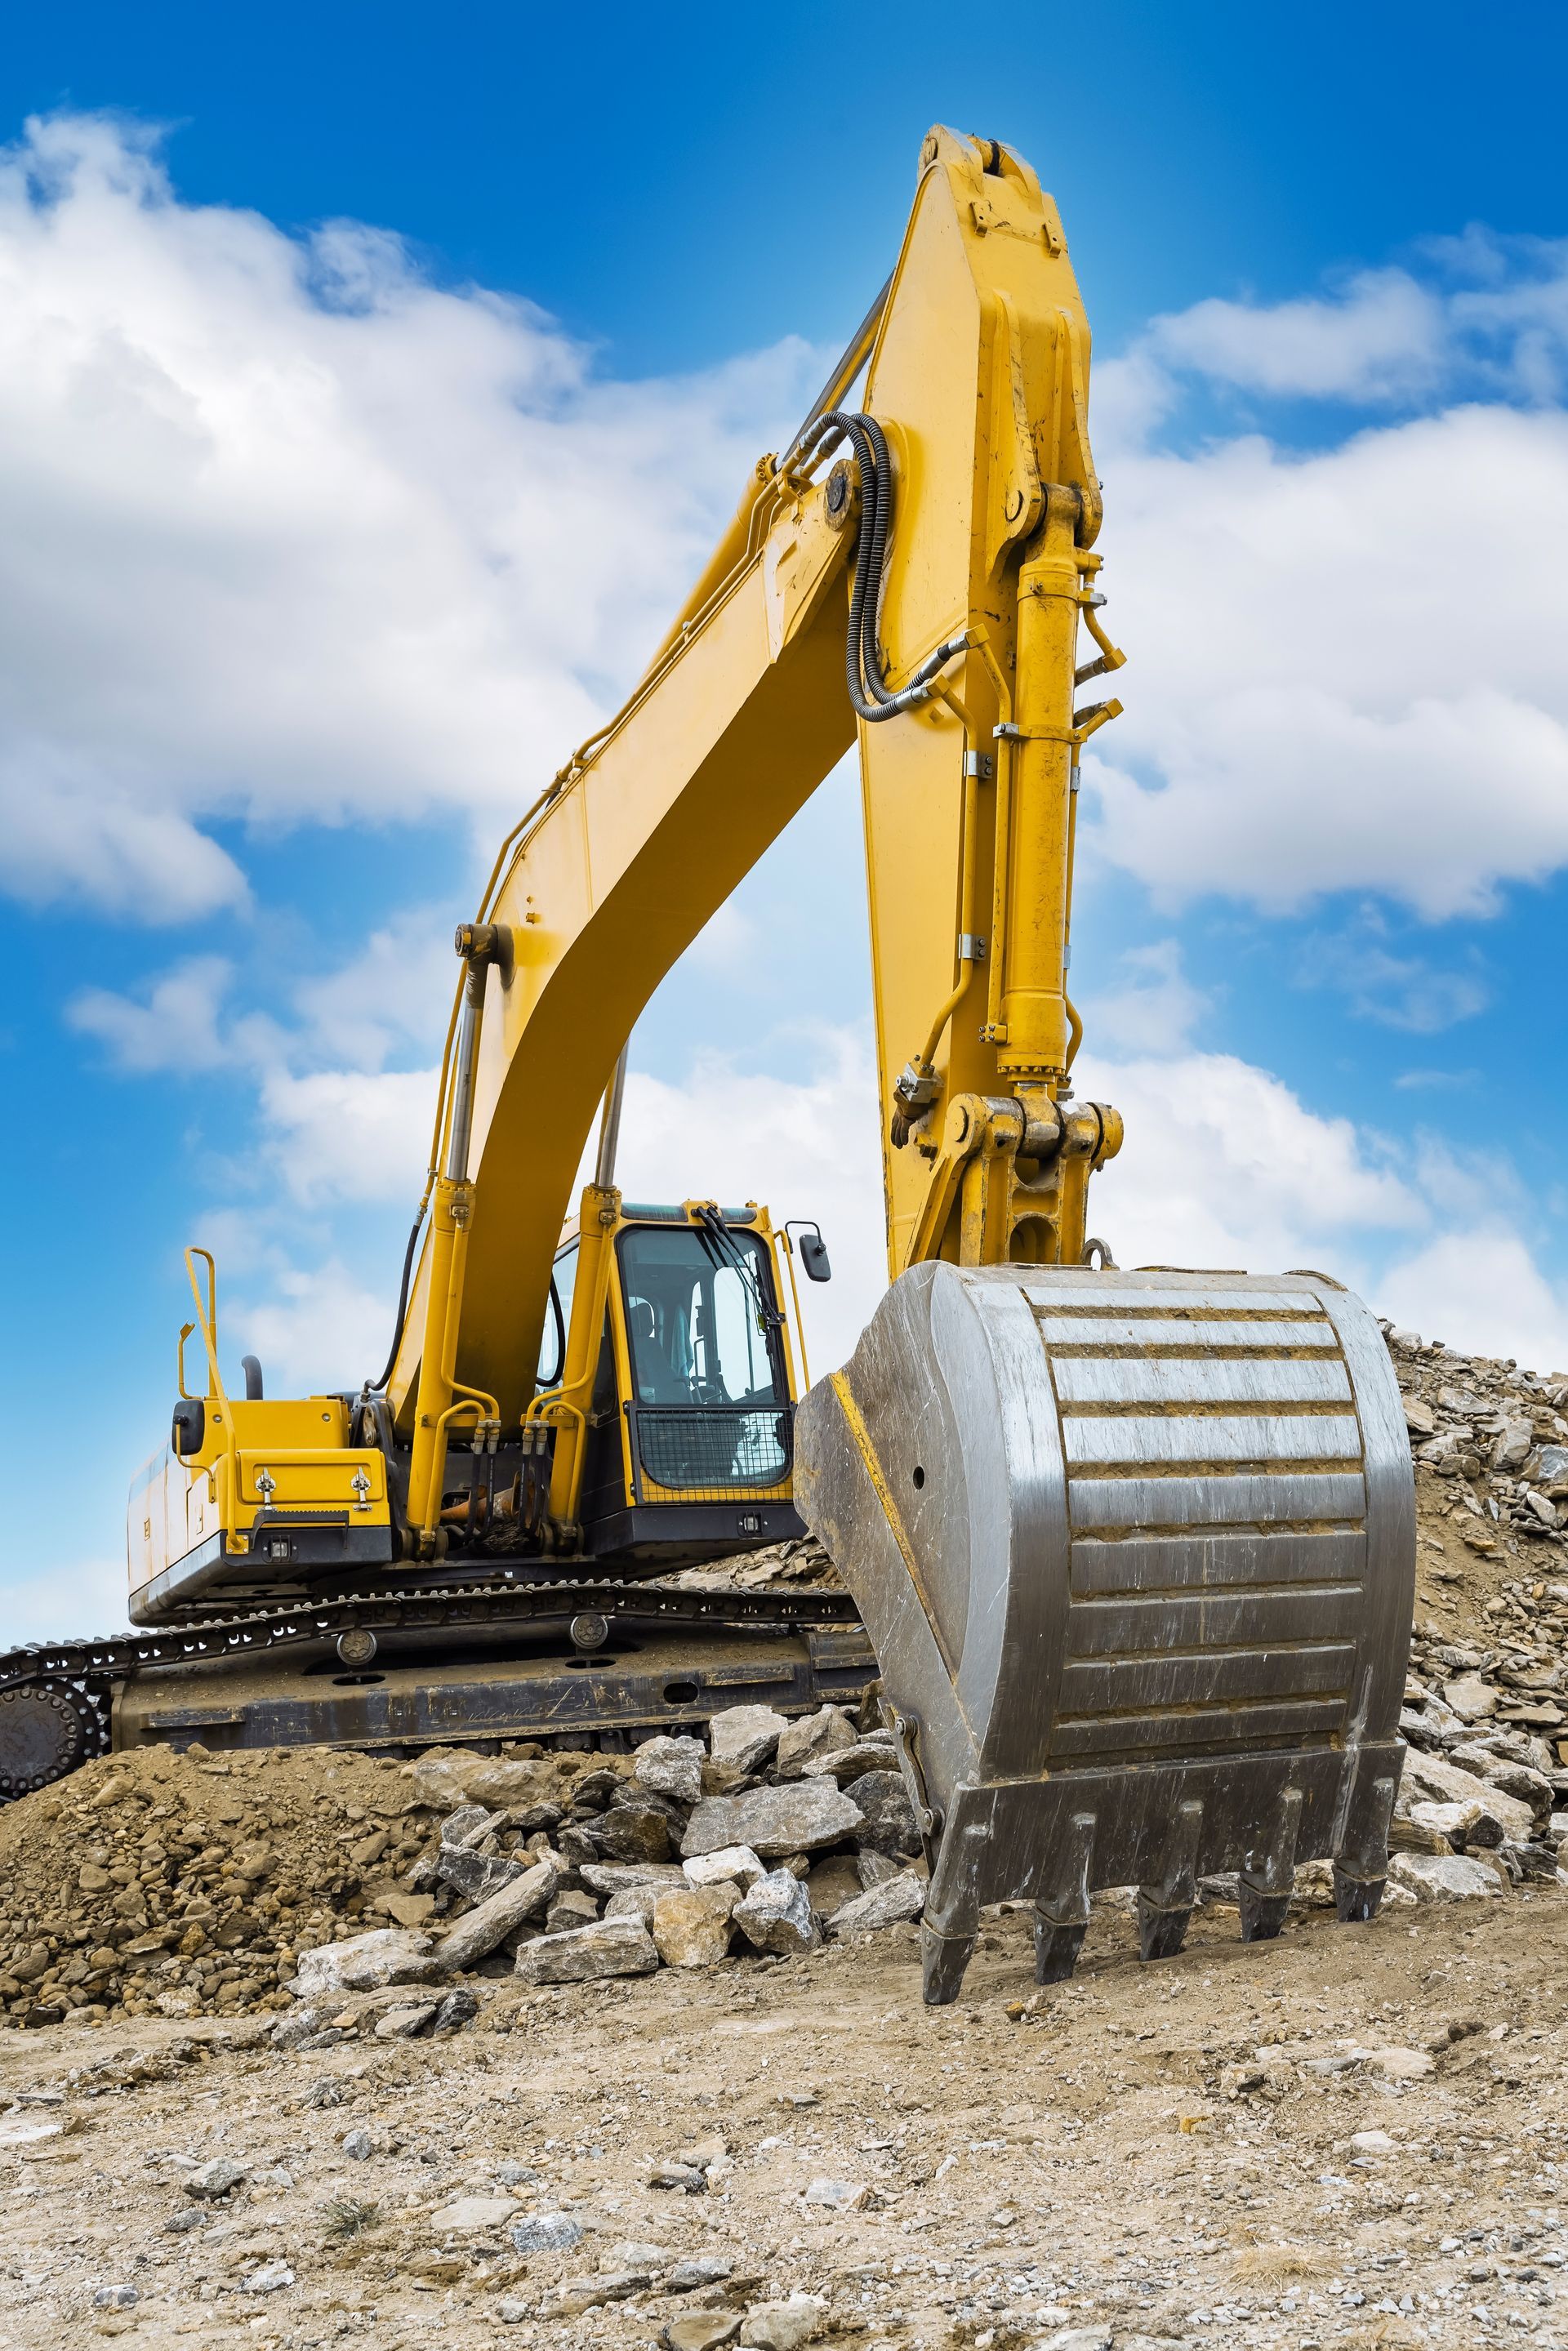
x,y
979,373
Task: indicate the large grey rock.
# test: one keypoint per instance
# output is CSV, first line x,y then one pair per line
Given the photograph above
x,y
1522,1781
890,1825
846,1763
1470,1698
671,1767
387,1955
405,2024
636,1902
472,2216
615,1876
1444,1877
572,1908
776,1915
805,1744
476,1875
467,1824
441,1776
1450,1783
614,1946
736,1861
475,1935
211,2180
895,1898
740,1741
1515,1442
692,1926
801,1817
1462,1825
637,1830
1552,1469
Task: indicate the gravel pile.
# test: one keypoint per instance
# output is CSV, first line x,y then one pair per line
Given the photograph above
x,y
193,1884
1483,1800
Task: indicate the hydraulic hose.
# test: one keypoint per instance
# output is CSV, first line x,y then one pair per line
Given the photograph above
x,y
401,1315
870,693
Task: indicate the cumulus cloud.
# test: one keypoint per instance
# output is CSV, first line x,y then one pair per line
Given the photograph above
x,y
174,1025
1401,991
292,534
1155,1008
1224,1165
1383,337
1483,1293
317,1332
1477,315
1344,668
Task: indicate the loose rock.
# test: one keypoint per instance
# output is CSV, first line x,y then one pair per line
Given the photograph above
x,y
692,1929
774,1822
886,1905
613,1947
776,1915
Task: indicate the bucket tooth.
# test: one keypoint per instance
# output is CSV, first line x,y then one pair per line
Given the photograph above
x,y
1165,1908
1136,1551
1355,1900
1360,1864
943,1960
1265,1879
1062,1911
1056,1949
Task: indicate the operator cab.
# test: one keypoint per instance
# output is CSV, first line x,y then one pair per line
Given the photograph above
x,y
689,1451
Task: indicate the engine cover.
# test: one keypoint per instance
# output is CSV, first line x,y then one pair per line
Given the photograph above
x,y
1136,1552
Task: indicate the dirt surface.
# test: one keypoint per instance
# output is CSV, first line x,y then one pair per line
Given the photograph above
x,y
1279,2145
1349,2136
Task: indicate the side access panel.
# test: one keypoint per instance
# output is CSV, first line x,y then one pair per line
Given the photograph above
x,y
1136,1551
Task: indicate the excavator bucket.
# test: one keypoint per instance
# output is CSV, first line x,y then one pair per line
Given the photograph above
x,y
1136,1553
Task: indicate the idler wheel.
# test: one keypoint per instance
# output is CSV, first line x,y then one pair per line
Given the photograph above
x,y
42,1735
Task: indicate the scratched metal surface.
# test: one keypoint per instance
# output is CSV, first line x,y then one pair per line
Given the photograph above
x,y
1125,1534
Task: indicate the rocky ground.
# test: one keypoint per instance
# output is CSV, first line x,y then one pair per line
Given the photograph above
x,y
572,2049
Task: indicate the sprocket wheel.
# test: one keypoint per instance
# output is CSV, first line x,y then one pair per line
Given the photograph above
x,y
45,1728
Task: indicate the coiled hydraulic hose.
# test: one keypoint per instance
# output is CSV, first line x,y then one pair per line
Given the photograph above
x,y
869,691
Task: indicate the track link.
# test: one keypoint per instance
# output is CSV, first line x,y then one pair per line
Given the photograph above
x,y
55,1697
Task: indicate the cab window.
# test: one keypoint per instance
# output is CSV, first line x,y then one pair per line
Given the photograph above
x,y
696,1334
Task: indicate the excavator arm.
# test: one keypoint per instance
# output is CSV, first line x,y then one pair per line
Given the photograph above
x,y
918,570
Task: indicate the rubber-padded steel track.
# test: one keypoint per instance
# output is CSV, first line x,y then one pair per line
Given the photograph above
x,y
82,1673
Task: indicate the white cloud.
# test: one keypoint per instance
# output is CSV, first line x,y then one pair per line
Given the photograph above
x,y
320,1331
176,1028
349,1135
810,1149
1384,336
1224,1165
1344,669
1155,1008
1481,1291
292,534
1487,316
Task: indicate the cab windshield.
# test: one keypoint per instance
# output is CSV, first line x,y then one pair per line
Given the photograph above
x,y
692,1322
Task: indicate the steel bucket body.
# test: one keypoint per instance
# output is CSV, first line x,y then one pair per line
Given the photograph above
x,y
1136,1553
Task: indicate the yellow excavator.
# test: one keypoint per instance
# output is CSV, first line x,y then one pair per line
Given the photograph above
x,y
1130,1553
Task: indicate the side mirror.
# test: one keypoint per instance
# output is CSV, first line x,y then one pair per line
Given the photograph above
x,y
190,1426
814,1257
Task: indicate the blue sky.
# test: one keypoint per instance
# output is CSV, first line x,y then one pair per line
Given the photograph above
x,y
372,384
